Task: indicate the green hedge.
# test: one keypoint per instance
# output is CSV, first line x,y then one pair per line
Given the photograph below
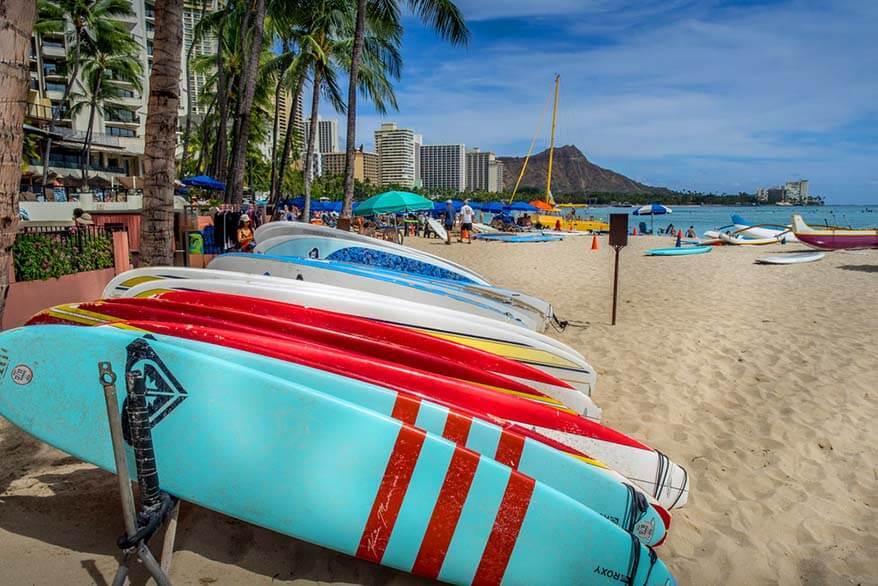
x,y
48,256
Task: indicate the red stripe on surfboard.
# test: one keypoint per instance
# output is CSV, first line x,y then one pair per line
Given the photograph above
x,y
391,493
406,408
446,513
504,534
457,427
509,449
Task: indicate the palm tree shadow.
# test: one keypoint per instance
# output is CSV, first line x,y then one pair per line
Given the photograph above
x,y
860,268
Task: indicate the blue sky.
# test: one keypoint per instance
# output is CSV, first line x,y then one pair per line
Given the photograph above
x,y
708,95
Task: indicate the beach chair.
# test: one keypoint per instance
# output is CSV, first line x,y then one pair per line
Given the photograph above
x,y
643,229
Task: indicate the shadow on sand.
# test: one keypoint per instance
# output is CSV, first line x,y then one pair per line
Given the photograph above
x,y
84,515
860,268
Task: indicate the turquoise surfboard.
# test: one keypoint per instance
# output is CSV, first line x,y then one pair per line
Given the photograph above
x,y
303,463
585,483
679,251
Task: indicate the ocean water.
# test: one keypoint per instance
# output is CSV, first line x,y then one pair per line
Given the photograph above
x,y
713,217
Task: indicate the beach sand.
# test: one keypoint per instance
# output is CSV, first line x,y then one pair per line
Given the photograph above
x,y
761,380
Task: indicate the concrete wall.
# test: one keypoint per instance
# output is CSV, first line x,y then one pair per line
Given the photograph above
x,y
29,297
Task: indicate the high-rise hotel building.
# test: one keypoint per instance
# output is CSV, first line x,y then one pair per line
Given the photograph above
x,y
483,171
327,135
443,167
398,155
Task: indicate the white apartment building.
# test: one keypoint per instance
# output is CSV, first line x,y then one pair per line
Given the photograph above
x,y
443,167
796,191
398,155
483,171
117,134
327,135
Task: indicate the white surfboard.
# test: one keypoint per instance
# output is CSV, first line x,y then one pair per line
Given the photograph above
x,y
274,229
790,259
519,344
438,228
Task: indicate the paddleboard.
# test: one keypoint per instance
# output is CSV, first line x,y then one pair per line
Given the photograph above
x,y
273,229
681,251
790,259
542,352
437,227
257,447
519,237
483,228
350,277
741,241
359,253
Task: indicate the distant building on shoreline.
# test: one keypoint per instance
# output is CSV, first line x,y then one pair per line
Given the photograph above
x,y
792,192
443,167
365,165
398,155
483,171
327,135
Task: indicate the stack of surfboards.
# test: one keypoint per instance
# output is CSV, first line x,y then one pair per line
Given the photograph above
x,y
425,430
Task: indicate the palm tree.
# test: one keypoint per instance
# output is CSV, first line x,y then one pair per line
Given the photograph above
x,y
160,144
82,22
235,178
16,22
442,15
105,61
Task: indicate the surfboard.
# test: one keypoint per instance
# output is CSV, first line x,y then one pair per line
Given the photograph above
x,y
519,237
260,448
519,344
351,277
332,340
790,259
360,253
438,228
274,229
681,251
644,466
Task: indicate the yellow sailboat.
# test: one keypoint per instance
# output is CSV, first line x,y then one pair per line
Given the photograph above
x,y
552,216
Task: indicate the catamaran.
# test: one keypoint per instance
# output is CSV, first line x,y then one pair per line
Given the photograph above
x,y
552,216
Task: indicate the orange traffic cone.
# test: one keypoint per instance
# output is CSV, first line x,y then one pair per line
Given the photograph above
x,y
594,243
634,231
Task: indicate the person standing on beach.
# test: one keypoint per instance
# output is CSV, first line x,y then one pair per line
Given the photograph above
x,y
466,222
449,220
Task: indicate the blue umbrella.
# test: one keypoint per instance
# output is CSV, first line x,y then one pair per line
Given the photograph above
x,y
205,182
520,206
494,207
652,210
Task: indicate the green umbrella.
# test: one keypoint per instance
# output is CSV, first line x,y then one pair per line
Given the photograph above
x,y
393,201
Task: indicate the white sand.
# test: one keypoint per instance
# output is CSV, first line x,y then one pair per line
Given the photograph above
x,y
761,380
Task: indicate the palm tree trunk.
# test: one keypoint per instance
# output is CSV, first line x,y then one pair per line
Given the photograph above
x,y
205,138
235,186
288,142
277,90
16,24
85,155
312,138
351,140
160,142
218,166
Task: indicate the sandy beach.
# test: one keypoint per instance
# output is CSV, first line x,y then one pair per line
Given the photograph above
x,y
761,380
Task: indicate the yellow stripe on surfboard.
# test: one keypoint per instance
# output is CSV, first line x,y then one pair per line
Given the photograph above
x,y
134,281
507,350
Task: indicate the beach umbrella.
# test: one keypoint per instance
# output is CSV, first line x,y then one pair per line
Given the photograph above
x,y
543,205
652,210
205,182
494,207
520,206
393,201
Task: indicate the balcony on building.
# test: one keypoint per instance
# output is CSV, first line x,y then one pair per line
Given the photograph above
x,y
54,47
39,109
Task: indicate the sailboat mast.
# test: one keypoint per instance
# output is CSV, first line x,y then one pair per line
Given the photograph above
x,y
552,143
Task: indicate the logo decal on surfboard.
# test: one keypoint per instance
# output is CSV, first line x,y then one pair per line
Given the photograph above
x,y
22,375
4,362
164,393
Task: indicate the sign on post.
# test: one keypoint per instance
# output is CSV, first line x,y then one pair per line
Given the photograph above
x,y
618,240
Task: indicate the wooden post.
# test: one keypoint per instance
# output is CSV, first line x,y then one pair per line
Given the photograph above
x,y
618,240
616,283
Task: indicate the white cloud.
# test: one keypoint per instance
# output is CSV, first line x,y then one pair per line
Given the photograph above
x,y
732,83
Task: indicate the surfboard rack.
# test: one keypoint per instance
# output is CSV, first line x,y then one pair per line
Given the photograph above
x,y
157,506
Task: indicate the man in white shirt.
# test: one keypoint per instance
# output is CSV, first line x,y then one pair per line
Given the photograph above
x,y
466,222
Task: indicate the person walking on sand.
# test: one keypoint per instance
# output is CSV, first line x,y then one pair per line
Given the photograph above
x,y
449,220
466,222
